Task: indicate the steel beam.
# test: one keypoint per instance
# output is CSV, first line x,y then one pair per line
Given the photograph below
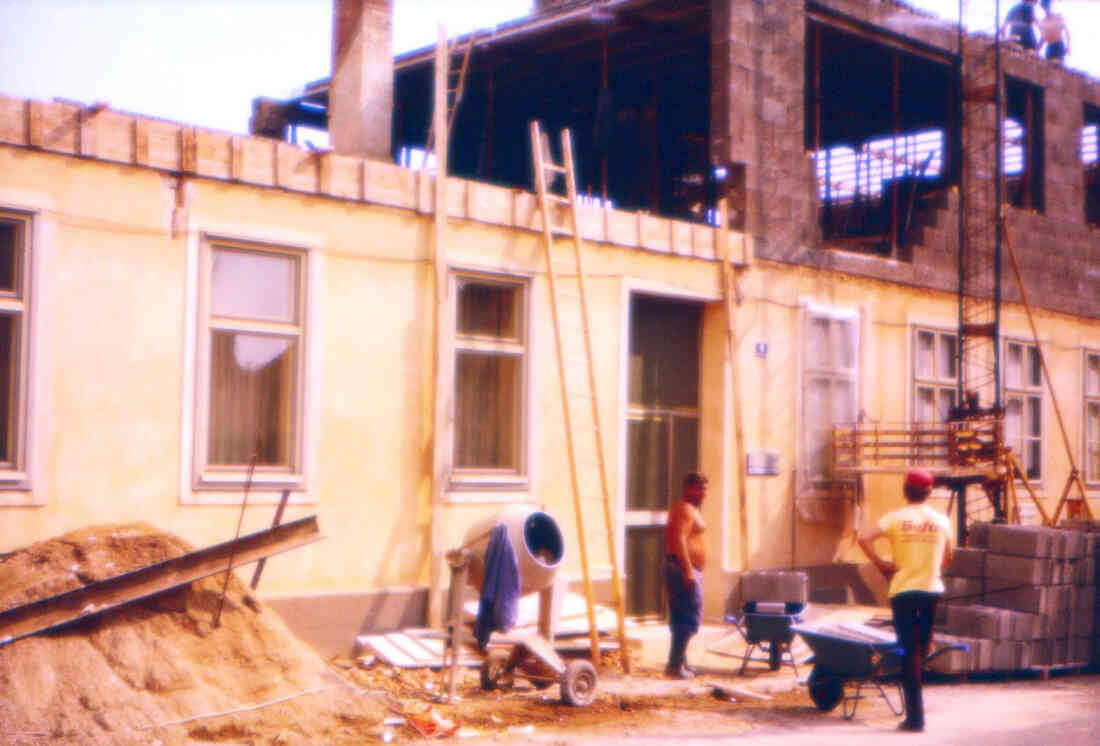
x,y
80,603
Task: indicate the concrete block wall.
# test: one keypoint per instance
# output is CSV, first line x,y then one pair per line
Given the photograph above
x,y
1021,597
757,118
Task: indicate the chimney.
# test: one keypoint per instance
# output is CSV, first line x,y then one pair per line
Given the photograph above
x,y
360,94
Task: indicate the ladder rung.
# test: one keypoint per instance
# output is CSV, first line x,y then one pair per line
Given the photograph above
x,y
558,199
554,168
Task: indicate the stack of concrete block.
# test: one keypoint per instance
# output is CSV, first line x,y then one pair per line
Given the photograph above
x,y
1020,597
786,586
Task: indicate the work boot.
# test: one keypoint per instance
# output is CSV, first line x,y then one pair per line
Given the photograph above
x,y
679,672
910,727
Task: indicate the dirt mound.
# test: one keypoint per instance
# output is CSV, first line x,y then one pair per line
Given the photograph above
x,y
151,671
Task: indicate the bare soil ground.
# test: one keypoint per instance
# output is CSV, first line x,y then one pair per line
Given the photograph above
x,y
159,672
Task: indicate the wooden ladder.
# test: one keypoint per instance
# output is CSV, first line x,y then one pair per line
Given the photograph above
x,y
582,438
456,85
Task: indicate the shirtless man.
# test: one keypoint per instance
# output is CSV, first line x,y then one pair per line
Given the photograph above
x,y
1055,33
685,556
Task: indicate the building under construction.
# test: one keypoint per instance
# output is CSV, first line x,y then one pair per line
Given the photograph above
x,y
793,279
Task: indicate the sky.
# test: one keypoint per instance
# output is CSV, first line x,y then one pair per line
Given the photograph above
x,y
203,61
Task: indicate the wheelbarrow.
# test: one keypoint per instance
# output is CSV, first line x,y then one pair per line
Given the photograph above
x,y
859,655
534,658
766,626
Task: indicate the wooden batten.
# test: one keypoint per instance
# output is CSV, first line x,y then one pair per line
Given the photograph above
x,y
236,158
87,134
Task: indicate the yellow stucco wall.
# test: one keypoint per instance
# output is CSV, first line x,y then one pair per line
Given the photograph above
x,y
113,326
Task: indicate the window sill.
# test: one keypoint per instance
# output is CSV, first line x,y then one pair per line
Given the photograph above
x,y
233,481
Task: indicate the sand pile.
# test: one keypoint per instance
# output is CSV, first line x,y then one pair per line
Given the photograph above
x,y
151,671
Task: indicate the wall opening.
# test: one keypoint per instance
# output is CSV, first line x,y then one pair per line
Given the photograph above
x,y
1090,147
883,142
1023,144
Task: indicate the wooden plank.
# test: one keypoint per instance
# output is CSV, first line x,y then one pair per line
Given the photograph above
x,y
411,647
387,651
49,613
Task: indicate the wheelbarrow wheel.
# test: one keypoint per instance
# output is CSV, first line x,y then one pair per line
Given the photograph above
x,y
826,689
578,683
494,670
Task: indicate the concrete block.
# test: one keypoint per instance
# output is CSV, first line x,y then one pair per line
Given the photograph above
x,y
978,536
1022,541
967,562
1010,655
1040,652
1059,652
1032,599
1026,626
953,661
1084,573
964,590
981,654
1081,623
1058,544
1075,544
1025,570
979,621
1080,649
775,585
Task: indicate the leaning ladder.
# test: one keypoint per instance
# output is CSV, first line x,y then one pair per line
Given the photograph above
x,y
577,434
455,82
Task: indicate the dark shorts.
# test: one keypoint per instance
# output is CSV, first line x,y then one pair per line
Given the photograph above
x,y
1056,50
685,605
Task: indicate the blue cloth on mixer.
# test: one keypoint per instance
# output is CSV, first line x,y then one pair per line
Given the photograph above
x,y
499,602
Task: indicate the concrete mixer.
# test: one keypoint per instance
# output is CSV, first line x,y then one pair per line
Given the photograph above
x,y
538,546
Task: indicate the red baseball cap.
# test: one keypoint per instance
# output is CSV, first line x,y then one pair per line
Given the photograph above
x,y
919,478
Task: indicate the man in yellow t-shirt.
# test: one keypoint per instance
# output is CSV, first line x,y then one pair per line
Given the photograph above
x,y
920,539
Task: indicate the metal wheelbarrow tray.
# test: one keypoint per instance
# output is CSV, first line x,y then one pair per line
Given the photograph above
x,y
858,654
765,626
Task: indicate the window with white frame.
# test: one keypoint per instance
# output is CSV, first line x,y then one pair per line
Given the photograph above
x,y
1092,416
830,388
252,365
490,373
935,375
1023,401
935,382
14,256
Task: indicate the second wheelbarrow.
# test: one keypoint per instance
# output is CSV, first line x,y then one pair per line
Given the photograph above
x,y
859,655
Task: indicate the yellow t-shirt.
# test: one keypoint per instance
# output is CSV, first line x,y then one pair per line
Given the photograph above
x,y
918,535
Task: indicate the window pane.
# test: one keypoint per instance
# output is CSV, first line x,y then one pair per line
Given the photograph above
x,y
1013,420
1034,416
9,257
252,385
946,361
947,401
1034,367
1013,365
926,348
1093,427
926,407
648,484
845,339
844,406
8,360
817,350
685,450
487,408
489,310
819,426
247,284
1034,459
1092,375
